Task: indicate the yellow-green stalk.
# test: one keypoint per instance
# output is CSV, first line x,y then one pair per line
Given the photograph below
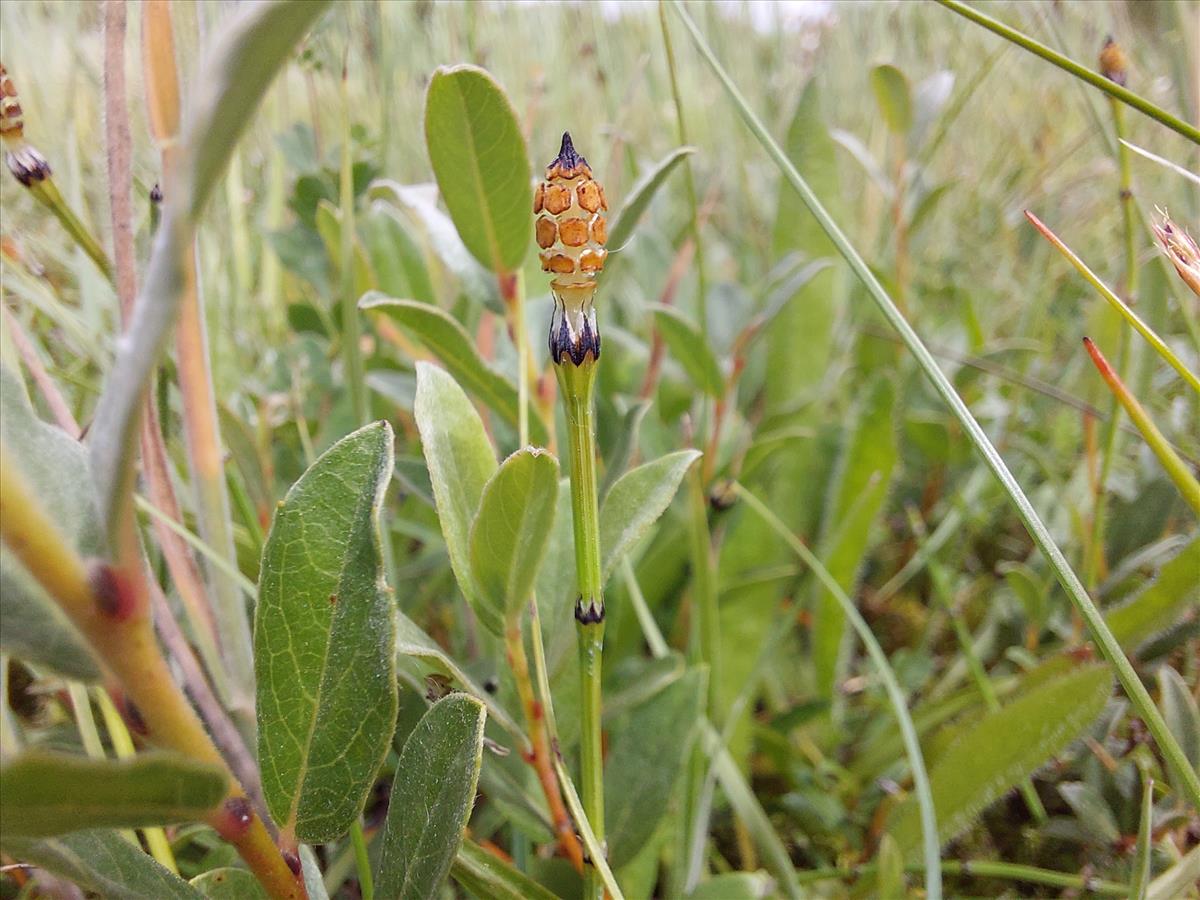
x,y
1114,66
109,605
571,233
30,168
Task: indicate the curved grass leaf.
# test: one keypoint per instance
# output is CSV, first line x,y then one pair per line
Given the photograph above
x,y
690,350
44,794
637,201
636,501
323,641
644,762
486,875
35,629
991,755
481,165
228,88
744,802
856,496
432,798
443,336
511,532
894,96
103,863
229,884
460,460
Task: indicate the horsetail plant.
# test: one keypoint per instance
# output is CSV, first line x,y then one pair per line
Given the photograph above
x,y
32,170
571,233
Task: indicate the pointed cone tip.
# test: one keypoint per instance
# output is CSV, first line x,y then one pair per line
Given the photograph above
x,y
567,158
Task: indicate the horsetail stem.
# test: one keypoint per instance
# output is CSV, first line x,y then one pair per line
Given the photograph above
x,y
570,230
32,170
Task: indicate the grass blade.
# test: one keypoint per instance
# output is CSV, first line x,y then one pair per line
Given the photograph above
x,y
1066,576
1176,468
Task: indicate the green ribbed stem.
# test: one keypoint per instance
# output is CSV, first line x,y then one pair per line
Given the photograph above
x,y
578,385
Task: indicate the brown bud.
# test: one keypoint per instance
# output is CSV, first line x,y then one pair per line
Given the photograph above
x,y
1113,64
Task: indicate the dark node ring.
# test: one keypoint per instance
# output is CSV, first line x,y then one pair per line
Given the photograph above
x,y
591,614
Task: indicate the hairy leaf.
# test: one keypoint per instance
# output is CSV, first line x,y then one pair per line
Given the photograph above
x,y
323,640
989,756
460,460
1159,604
432,798
644,761
103,863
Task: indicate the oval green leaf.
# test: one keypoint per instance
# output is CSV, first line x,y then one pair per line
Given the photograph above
x,y
432,798
323,641
991,755
636,501
894,96
460,460
481,164
44,794
690,350
511,532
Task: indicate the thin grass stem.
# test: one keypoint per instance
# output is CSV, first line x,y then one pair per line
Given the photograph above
x,y
1095,79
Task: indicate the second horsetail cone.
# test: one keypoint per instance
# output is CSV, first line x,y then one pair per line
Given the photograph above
x,y
27,165
571,233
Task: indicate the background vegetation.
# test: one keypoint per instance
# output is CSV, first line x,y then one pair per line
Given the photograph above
x,y
755,754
